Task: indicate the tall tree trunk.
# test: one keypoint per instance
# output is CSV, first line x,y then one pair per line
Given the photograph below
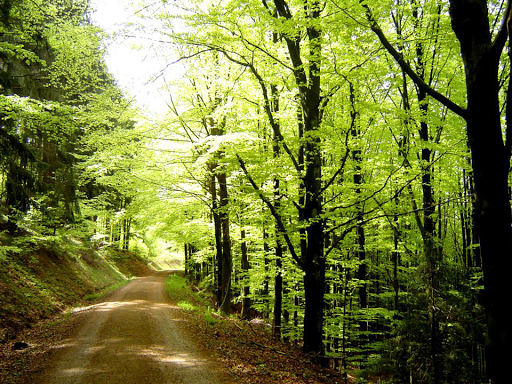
x,y
278,291
490,166
126,234
218,236
185,251
431,255
246,300
278,279
361,239
309,84
226,244
266,261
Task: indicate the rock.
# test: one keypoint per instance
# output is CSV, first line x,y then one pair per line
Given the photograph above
x,y
20,345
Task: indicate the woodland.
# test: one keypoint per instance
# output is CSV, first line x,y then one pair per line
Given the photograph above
x,y
338,168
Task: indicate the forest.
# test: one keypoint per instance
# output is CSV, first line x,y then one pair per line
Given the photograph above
x,y
338,168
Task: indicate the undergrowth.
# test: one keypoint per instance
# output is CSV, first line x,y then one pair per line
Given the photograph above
x,y
178,290
247,350
106,291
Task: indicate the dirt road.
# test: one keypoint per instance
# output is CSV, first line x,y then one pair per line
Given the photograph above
x,y
134,337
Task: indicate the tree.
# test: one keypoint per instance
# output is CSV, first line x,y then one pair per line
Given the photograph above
x,y
481,53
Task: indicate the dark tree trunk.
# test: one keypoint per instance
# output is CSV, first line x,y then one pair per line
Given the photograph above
x,y
246,300
361,239
185,251
314,263
218,237
226,244
278,280
431,255
266,261
278,292
395,257
126,233
490,167
309,85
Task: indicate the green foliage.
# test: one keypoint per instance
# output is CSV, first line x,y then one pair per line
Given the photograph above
x,y
179,291
402,296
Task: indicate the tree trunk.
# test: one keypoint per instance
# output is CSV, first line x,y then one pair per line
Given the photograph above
x,y
314,263
126,234
490,166
226,245
278,279
246,300
278,291
361,239
309,85
218,237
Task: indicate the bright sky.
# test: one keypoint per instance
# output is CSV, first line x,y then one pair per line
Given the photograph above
x,y
132,68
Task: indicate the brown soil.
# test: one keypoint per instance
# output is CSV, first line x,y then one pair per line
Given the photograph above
x,y
253,356
136,336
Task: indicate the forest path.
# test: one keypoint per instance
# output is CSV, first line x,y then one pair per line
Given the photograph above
x,y
136,336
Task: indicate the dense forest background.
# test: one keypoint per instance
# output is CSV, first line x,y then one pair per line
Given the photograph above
x,y
338,168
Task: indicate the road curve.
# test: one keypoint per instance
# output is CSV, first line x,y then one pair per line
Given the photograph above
x,y
133,337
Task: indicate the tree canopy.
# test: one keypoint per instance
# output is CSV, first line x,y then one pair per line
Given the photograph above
x,y
340,169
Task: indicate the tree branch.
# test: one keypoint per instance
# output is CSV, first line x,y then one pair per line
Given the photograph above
x,y
455,108
274,212
501,38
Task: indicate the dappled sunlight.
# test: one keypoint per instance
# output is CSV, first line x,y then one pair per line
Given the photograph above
x,y
78,372
111,305
162,355
134,336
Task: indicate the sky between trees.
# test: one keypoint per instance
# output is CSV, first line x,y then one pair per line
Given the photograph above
x,y
130,56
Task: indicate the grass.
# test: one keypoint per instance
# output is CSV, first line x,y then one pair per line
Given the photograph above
x,y
105,291
178,290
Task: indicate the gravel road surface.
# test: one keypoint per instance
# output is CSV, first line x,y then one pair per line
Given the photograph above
x,y
136,337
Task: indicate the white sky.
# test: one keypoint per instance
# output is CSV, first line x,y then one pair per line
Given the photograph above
x,y
132,68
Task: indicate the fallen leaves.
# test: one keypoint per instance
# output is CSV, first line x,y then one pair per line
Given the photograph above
x,y
252,356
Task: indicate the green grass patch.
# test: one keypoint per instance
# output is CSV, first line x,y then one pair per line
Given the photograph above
x,y
185,305
103,292
208,317
179,291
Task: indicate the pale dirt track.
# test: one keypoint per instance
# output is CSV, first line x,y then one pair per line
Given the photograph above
x,y
135,337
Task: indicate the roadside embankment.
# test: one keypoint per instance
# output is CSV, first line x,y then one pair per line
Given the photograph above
x,y
41,278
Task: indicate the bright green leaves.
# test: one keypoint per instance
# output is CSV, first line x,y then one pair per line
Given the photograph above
x,y
78,68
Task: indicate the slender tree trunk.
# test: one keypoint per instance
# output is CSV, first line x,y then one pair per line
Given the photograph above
x,y
395,256
246,300
185,252
361,240
226,244
126,234
218,237
266,282
278,291
278,280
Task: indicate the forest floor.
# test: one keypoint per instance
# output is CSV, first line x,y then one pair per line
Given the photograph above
x,y
139,335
